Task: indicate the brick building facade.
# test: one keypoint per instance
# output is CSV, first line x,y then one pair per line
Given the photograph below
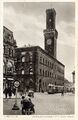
x,y
36,69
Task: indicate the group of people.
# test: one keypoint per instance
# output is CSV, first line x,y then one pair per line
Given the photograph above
x,y
27,105
8,91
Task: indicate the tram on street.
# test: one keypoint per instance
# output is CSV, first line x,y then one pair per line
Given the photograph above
x,y
51,89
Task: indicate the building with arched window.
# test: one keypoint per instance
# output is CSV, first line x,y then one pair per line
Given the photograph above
x,y
36,70
35,67
9,45
41,66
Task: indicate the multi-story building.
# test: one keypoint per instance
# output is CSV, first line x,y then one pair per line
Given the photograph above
x,y
9,45
36,67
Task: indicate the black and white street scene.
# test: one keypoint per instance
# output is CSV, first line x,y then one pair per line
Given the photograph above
x,y
38,58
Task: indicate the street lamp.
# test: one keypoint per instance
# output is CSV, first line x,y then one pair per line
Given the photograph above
x,y
16,84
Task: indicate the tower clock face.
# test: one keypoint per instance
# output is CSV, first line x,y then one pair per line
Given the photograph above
x,y
49,41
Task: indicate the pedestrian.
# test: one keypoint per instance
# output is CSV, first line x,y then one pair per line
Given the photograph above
x,y
6,92
14,90
25,105
10,92
62,93
31,106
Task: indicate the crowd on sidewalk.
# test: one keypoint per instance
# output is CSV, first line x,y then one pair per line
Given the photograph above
x,y
9,92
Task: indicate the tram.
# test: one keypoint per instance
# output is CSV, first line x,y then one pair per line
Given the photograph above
x,y
51,89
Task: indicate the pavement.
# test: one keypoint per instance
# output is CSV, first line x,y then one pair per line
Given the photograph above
x,y
45,104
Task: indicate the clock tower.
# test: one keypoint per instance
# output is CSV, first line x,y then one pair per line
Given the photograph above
x,y
50,33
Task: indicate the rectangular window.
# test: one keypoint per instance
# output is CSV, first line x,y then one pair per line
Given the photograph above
x,y
46,62
48,73
40,59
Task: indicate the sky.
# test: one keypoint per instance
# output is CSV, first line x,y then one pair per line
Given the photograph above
x,y
27,20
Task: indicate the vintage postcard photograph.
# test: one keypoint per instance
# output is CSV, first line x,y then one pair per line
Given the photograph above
x,y
38,58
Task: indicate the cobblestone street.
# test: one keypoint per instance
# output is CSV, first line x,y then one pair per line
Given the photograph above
x,y
45,104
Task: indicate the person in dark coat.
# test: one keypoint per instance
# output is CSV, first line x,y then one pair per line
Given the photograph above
x,y
9,92
31,106
6,92
14,90
25,105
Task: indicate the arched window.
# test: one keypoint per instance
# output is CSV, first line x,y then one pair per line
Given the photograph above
x,y
22,72
9,66
23,59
